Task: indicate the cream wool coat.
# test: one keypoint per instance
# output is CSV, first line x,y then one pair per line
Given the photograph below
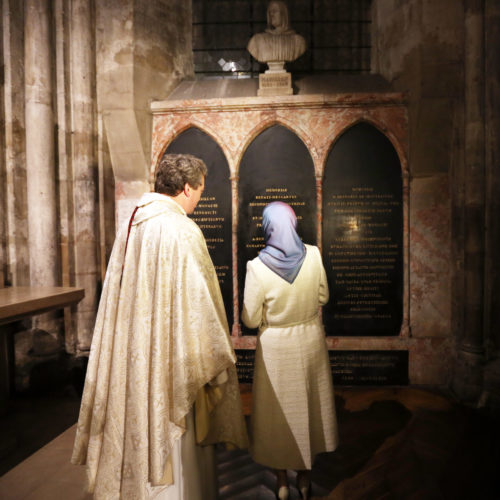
x,y
161,335
293,414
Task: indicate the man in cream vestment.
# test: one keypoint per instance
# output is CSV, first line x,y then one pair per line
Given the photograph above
x,y
161,379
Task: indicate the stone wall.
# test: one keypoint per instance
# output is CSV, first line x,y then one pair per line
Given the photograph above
x,y
492,160
491,383
442,53
144,50
107,62
416,46
78,78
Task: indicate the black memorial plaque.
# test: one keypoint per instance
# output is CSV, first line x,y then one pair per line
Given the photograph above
x,y
276,167
375,368
245,361
369,367
213,213
363,235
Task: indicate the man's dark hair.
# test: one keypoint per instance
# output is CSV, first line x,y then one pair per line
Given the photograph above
x,y
175,170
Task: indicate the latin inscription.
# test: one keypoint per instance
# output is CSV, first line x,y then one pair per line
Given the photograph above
x,y
274,81
211,221
245,360
363,235
275,167
348,367
369,367
213,213
271,194
364,253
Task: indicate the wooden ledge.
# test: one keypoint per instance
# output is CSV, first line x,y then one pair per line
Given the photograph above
x,y
17,302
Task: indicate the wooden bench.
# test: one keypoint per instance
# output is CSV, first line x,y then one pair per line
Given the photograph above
x,y
18,302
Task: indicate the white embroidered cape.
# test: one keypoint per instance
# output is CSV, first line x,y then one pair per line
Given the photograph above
x,y
161,333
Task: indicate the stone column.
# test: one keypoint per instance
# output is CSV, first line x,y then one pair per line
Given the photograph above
x,y
40,158
319,209
84,164
468,378
492,160
236,328
474,177
491,385
16,259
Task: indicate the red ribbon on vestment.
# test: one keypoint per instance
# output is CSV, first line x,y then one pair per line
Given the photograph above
x,y
128,234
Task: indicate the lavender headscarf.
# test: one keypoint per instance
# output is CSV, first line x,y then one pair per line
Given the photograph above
x,y
284,252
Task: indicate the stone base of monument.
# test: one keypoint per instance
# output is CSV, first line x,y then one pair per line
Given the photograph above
x,y
275,83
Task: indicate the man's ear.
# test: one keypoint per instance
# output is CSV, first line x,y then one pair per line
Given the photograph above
x,y
187,190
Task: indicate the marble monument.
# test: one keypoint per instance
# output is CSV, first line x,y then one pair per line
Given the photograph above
x,y
275,46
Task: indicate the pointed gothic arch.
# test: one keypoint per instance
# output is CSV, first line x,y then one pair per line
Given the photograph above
x,y
214,211
275,166
363,242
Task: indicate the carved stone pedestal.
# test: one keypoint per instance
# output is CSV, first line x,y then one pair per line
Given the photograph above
x,y
275,83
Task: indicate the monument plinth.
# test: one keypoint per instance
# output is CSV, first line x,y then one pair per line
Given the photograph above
x,y
275,83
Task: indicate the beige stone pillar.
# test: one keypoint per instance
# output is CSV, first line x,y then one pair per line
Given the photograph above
x,y
40,158
16,258
84,165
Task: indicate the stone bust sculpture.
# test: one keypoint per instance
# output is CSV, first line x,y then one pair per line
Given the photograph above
x,y
279,43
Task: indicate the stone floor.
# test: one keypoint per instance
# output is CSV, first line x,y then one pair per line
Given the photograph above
x,y
400,443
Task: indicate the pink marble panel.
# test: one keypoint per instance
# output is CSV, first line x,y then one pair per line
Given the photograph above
x,y
430,361
317,120
430,242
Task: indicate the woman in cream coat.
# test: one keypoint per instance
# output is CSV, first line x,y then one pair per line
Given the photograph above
x,y
293,415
